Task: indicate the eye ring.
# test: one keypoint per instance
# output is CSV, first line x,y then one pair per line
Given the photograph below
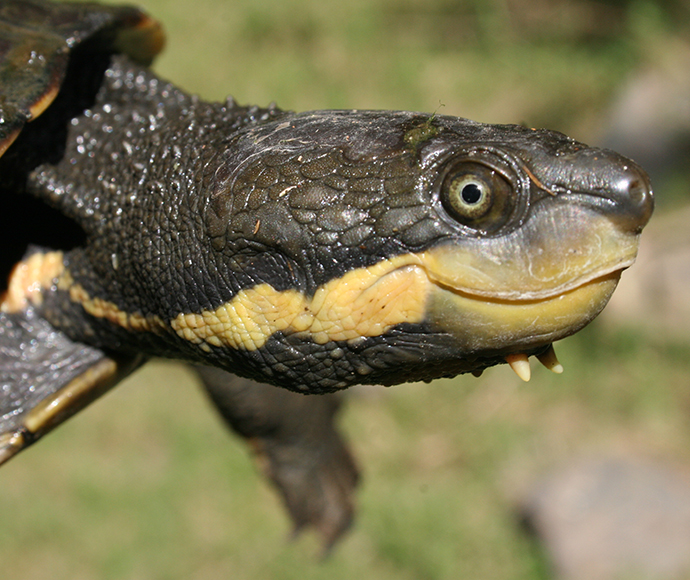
x,y
477,195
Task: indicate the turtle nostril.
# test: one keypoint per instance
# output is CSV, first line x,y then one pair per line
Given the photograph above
x,y
635,191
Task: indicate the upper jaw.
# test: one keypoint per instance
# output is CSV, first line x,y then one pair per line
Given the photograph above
x,y
613,271
560,247
620,187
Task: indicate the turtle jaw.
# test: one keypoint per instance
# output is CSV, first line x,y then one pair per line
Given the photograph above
x,y
479,325
540,283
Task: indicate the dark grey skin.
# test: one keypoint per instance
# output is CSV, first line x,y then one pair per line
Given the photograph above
x,y
185,203
165,204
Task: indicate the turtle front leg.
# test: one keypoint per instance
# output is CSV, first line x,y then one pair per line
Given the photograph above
x,y
297,446
45,378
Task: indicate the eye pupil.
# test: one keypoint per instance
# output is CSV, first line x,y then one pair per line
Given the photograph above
x,y
471,193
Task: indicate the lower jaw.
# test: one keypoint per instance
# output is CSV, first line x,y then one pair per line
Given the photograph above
x,y
479,325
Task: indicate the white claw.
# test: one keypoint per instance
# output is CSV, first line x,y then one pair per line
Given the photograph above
x,y
520,364
550,361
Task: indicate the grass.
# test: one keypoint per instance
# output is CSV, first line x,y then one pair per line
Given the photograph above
x,y
496,61
147,484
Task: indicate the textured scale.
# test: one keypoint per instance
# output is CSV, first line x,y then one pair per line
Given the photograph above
x,y
311,251
292,201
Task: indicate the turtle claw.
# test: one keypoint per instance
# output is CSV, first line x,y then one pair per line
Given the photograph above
x,y
296,446
317,483
520,363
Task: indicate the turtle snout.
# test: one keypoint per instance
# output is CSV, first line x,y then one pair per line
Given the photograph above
x,y
615,184
631,191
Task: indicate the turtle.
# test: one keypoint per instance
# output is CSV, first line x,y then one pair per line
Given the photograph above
x,y
311,251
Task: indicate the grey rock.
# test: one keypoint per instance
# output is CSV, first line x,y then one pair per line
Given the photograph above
x,y
649,121
613,519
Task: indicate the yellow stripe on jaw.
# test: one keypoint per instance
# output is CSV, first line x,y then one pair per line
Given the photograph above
x,y
478,324
363,303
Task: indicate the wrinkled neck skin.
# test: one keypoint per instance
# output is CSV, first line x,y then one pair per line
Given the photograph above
x,y
315,250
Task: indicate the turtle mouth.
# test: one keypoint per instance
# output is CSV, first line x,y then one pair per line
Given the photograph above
x,y
516,296
539,283
507,323
521,292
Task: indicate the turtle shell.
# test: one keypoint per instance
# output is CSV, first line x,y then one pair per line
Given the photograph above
x,y
37,40
52,57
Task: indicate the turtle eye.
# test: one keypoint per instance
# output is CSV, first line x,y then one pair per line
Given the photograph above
x,y
468,196
476,195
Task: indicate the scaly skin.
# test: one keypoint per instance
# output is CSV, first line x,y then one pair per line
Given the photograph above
x,y
318,250
312,251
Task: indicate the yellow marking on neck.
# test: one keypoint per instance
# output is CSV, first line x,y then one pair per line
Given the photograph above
x,y
364,302
42,271
29,278
100,308
480,303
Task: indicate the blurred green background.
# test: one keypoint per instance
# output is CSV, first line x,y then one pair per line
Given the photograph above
x,y
147,484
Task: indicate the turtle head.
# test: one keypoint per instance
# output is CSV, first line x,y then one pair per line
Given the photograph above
x,y
320,250
544,228
404,246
